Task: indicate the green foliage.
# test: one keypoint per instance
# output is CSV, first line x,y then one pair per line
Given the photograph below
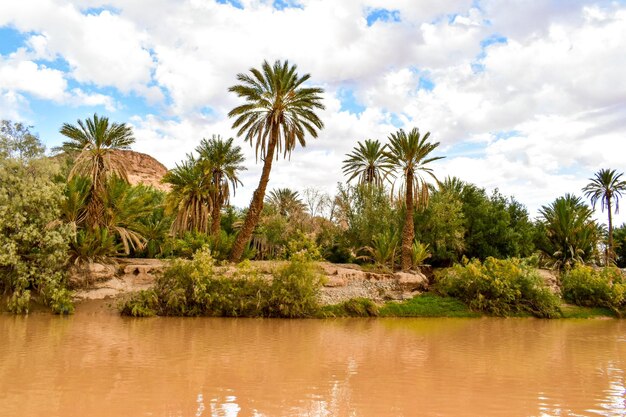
x,y
190,200
619,236
60,300
303,244
441,226
93,144
34,243
17,142
419,253
195,288
382,251
19,302
354,307
571,232
590,287
427,305
368,162
92,245
294,289
367,212
495,226
500,287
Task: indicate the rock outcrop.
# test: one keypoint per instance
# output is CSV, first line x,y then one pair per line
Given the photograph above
x,y
144,169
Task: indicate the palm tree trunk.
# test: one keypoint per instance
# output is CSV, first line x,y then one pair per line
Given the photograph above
x,y
216,217
95,206
408,232
216,213
610,257
256,205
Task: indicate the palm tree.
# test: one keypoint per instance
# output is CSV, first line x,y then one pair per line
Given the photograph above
x,y
93,142
606,186
287,202
368,162
190,197
278,112
410,153
452,185
571,232
221,162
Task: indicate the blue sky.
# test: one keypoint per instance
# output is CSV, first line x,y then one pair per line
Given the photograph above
x,y
524,96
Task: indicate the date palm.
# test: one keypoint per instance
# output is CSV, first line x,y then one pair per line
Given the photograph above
x,y
278,113
221,162
607,187
368,162
410,153
571,232
93,143
190,197
287,202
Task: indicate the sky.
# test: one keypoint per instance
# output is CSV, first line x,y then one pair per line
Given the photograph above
x,y
526,96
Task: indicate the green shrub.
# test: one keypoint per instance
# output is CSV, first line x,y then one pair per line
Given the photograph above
x,y
589,287
195,288
34,242
500,287
61,301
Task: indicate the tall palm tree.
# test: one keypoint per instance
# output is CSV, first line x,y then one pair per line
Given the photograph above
x,y
571,232
221,162
278,112
190,198
368,162
410,153
607,187
287,202
93,143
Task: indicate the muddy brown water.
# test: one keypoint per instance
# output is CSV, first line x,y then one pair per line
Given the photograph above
x,y
96,363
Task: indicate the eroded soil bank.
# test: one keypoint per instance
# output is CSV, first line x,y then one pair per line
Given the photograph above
x,y
341,282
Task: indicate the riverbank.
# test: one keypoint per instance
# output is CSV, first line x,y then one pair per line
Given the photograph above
x,y
346,290
340,282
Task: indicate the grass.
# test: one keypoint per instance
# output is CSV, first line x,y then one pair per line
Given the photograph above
x,y
571,311
427,305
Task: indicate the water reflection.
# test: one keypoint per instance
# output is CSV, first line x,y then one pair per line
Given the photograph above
x,y
102,365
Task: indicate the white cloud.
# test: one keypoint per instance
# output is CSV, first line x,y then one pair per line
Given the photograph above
x,y
27,76
555,86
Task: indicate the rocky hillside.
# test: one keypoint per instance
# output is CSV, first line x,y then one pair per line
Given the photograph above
x,y
144,169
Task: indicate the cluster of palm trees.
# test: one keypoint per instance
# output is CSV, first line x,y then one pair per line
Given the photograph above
x,y
572,235
278,113
407,154
201,186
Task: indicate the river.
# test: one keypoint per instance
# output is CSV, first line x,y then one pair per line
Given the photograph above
x,y
96,363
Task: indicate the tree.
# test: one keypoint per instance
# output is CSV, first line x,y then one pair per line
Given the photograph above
x,y
221,162
93,143
442,227
607,187
278,112
287,202
410,153
572,234
34,243
16,141
368,162
190,197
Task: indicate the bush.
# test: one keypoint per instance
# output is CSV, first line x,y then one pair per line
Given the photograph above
x,y
500,287
34,242
589,287
194,288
